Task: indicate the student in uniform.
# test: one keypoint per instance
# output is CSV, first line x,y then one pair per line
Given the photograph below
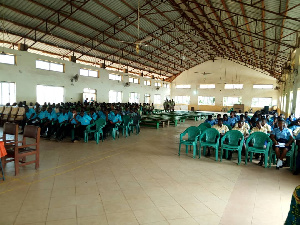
x,y
218,117
222,130
258,128
74,126
241,127
30,116
113,118
247,118
266,125
281,135
232,119
225,120
50,125
210,120
84,120
62,122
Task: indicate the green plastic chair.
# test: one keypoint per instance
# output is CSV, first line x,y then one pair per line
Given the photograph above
x,y
209,138
135,124
89,130
229,127
125,125
290,154
258,140
208,125
235,140
193,135
202,127
100,124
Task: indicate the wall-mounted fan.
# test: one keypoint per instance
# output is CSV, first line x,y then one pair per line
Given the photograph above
x,y
74,79
126,84
157,88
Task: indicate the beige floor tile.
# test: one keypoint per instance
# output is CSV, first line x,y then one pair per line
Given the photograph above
x,y
90,210
148,215
141,203
88,199
8,218
212,219
124,218
58,202
185,221
31,216
173,212
197,209
62,213
93,220
59,192
116,206
140,182
62,222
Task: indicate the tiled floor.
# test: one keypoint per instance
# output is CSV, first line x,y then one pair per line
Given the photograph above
x,y
141,180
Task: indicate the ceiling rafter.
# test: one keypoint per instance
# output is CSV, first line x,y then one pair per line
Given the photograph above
x,y
281,31
72,31
234,26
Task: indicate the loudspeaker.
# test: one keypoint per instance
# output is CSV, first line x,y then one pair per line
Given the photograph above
x,y
125,70
102,65
22,47
72,58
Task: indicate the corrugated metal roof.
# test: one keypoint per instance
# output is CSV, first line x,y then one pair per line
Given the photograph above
x,y
196,29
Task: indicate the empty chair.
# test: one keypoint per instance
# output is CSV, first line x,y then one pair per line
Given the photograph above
x,y
13,114
202,127
20,152
235,140
20,115
125,125
6,113
209,138
100,124
258,142
193,136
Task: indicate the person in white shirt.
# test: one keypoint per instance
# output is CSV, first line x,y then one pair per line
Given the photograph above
x,y
266,126
222,130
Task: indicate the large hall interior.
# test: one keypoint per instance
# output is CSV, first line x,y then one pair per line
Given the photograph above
x,y
149,112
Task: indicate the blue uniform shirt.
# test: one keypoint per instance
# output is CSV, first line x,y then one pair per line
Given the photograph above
x,y
226,122
62,117
94,116
232,121
42,115
29,113
51,115
284,134
85,120
111,115
211,122
115,118
70,115
74,121
102,115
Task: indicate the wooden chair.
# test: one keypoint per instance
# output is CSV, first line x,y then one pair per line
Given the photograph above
x,y
6,113
13,114
20,114
18,153
1,110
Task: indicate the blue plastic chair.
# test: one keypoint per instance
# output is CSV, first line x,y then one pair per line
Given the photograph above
x,y
193,135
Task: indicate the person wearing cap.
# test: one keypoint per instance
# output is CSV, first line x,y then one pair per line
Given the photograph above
x,y
283,136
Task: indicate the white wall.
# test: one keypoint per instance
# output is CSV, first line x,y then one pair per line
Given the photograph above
x,y
26,77
235,73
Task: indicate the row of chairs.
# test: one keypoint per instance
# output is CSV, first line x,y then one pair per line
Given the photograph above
x,y
17,151
127,126
11,114
233,140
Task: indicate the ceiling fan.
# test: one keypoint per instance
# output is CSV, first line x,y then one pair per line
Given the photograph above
x,y
204,73
142,41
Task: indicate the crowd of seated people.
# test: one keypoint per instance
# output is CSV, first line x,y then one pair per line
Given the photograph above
x,y
59,120
281,130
